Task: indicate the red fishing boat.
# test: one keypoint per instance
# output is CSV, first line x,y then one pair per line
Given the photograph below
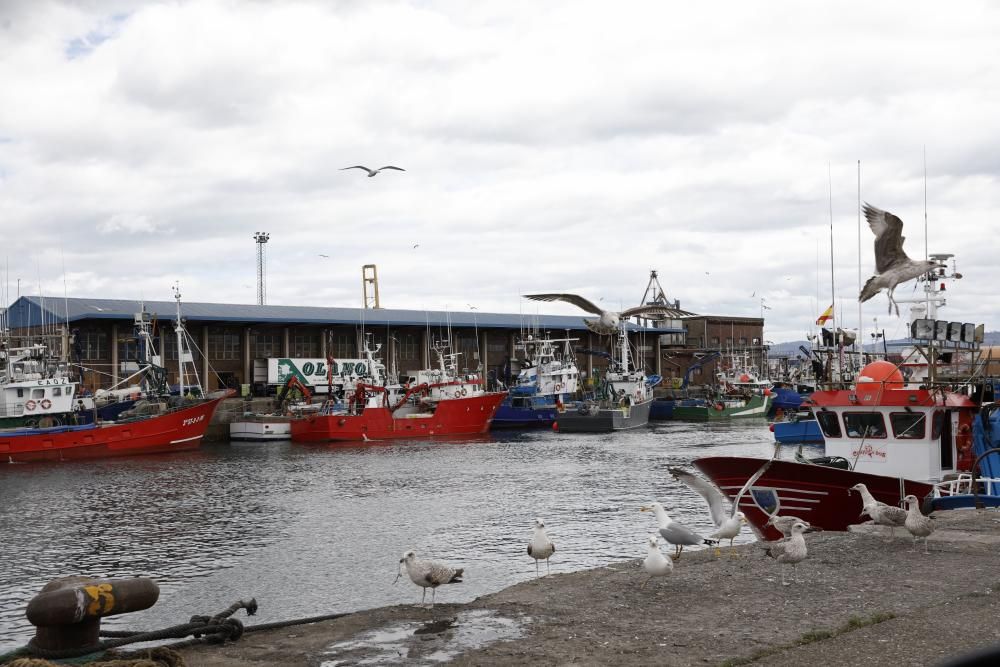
x,y
433,403
894,439
173,431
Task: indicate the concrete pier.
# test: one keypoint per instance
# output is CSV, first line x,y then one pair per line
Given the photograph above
x,y
860,598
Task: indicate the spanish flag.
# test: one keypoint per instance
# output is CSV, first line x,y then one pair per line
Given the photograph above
x,y
827,314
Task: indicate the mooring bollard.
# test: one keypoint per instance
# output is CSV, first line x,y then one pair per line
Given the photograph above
x,y
67,612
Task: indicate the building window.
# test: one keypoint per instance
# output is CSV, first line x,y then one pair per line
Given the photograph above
x,y
468,348
170,349
93,345
344,346
408,346
305,346
267,345
128,349
715,340
223,346
743,340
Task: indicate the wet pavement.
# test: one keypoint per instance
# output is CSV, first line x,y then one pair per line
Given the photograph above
x,y
859,598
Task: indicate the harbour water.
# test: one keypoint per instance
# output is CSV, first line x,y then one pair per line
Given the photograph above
x,y
312,530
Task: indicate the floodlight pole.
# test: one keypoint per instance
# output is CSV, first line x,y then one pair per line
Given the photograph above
x,y
261,239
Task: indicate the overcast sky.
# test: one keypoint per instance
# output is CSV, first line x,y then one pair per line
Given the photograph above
x,y
548,146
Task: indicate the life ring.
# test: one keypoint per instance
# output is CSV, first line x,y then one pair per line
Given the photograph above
x,y
465,392
558,387
719,406
46,404
458,393
29,405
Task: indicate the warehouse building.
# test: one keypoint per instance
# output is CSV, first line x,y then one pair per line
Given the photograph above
x,y
230,340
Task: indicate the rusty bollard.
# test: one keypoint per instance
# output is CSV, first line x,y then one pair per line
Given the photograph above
x,y
67,612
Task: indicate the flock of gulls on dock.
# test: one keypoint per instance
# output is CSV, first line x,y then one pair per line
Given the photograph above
x,y
728,520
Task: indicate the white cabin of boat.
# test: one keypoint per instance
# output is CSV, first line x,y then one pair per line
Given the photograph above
x,y
886,428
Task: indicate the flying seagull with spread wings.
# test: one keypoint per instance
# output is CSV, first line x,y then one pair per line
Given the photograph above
x,y
607,321
372,172
892,266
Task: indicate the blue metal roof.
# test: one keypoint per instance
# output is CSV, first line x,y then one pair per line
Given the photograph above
x,y
28,311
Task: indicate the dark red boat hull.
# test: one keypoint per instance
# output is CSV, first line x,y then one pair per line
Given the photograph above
x,y
818,494
459,416
172,432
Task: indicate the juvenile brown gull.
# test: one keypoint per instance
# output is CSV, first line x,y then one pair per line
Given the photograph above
x,y
541,547
918,524
881,514
428,574
791,551
892,265
784,524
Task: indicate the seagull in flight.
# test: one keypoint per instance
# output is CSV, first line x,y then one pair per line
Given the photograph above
x,y
608,320
892,266
372,172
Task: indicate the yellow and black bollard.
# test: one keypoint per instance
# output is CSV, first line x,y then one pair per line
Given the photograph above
x,y
67,612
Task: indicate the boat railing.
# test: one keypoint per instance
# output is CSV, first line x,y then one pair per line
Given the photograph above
x,y
963,486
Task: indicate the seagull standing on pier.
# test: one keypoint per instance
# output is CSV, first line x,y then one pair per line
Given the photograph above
x,y
608,320
541,547
892,265
784,524
881,514
791,551
428,574
674,533
728,522
918,524
656,564
373,172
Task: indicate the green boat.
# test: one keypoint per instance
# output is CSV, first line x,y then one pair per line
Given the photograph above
x,y
756,405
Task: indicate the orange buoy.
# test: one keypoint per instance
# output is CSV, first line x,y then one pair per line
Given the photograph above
x,y
879,374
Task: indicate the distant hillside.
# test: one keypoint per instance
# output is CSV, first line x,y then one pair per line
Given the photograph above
x,y
791,348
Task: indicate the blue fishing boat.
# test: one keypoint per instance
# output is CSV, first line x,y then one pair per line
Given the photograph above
x,y
548,380
800,428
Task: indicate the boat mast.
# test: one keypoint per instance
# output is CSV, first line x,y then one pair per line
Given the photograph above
x,y
833,292
861,338
179,330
